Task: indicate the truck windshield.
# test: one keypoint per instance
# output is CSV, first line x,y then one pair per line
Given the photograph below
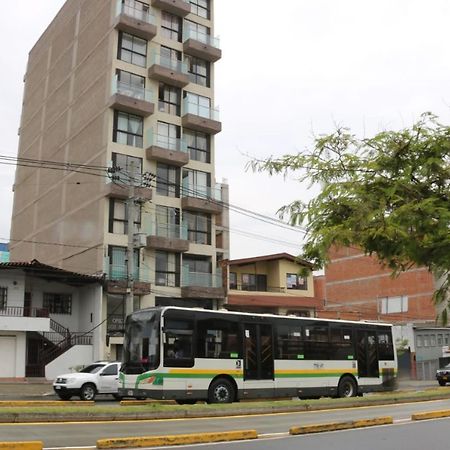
x,y
141,343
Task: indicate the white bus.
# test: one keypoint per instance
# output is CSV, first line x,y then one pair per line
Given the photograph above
x,y
222,356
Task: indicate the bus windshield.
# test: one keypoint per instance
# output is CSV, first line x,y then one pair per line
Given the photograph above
x,y
141,344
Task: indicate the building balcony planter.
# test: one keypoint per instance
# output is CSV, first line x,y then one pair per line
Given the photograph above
x,y
135,20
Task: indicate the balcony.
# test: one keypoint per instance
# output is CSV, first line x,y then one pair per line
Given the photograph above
x,y
121,190
18,318
201,285
135,20
167,70
201,45
131,99
117,279
167,237
166,149
178,7
201,199
200,118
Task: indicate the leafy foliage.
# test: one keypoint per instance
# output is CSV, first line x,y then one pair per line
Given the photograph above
x,y
388,195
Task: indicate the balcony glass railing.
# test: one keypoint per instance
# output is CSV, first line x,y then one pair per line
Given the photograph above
x,y
137,10
170,143
200,110
198,191
200,36
201,279
169,63
134,91
120,272
166,230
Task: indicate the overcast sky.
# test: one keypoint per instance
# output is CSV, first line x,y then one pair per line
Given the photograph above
x,y
290,68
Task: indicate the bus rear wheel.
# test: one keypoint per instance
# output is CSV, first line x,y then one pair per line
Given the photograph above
x,y
347,387
221,391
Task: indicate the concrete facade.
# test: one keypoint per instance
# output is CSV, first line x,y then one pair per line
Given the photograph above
x,y
86,74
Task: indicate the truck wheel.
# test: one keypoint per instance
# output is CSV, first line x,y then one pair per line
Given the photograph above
x,y
347,387
442,382
221,391
88,392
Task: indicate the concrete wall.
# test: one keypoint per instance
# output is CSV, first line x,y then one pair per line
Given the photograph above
x,y
79,355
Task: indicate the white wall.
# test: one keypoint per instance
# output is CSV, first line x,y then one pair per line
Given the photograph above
x,y
20,344
78,355
14,281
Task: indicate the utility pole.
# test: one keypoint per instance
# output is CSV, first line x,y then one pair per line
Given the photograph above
x,y
130,249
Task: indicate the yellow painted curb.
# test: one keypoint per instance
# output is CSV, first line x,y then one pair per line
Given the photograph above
x,y
30,445
431,415
32,403
333,426
147,402
177,439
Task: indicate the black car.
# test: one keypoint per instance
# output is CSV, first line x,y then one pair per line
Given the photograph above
x,y
443,375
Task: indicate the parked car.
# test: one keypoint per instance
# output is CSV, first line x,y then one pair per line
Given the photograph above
x,y
443,375
98,378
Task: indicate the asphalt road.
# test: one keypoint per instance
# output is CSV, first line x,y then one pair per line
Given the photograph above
x,y
86,434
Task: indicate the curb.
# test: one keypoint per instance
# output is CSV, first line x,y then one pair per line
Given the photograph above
x,y
146,402
30,445
334,426
431,415
177,439
31,403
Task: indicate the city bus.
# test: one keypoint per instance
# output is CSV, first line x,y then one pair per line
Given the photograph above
x,y
188,355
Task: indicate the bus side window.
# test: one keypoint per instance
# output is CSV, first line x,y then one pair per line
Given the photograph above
x,y
217,339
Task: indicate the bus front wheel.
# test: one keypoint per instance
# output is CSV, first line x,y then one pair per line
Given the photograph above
x,y
347,387
221,391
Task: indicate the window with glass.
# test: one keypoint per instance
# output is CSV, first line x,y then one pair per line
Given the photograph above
x,y
218,338
248,282
196,183
433,340
197,31
233,280
419,341
170,57
290,342
167,221
178,340
198,226
169,99
198,144
392,305
198,105
167,180
200,8
118,269
197,264
3,297
130,84
440,339
198,70
132,49
167,269
137,9
316,341
128,129
171,26
118,216
385,346
57,303
295,281
168,136
126,166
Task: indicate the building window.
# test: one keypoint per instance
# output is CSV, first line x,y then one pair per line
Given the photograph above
x,y
419,341
218,338
294,281
199,227
169,99
118,216
118,269
440,339
126,166
167,180
58,303
198,70
3,297
198,145
432,340
168,136
167,272
200,8
170,57
167,222
198,264
198,32
135,8
233,280
130,84
171,26
392,305
128,129
248,282
446,339
132,49
198,105
426,340
196,183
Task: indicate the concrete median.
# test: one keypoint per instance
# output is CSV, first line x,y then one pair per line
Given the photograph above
x,y
30,445
335,426
431,415
34,403
177,439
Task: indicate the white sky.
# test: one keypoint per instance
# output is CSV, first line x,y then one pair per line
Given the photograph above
x,y
290,68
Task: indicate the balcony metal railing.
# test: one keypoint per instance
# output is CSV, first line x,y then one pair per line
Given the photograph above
x,y
135,10
204,38
169,63
20,311
201,279
199,110
166,230
120,272
138,92
198,191
170,143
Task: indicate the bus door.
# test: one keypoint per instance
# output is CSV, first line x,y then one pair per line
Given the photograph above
x,y
367,354
258,352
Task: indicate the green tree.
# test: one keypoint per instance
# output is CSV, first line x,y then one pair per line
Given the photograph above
x,y
388,195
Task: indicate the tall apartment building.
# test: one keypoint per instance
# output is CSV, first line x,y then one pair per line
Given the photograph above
x,y
127,85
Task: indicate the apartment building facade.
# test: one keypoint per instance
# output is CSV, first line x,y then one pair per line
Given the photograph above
x,y
119,100
271,284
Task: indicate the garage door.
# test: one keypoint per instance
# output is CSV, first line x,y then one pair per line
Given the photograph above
x,y
7,356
